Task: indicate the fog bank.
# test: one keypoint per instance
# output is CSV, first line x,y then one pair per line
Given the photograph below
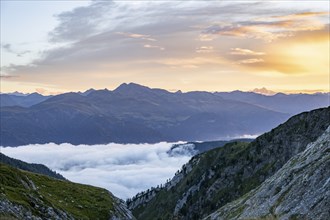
x,y
123,169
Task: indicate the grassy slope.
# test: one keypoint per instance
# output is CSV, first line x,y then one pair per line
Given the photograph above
x,y
80,201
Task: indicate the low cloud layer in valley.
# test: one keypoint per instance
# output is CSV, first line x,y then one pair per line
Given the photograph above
x,y
123,169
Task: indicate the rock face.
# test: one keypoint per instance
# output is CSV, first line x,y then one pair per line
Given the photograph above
x,y
225,174
25,195
299,190
8,208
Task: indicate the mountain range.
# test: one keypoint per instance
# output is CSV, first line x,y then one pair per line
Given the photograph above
x,y
137,114
286,103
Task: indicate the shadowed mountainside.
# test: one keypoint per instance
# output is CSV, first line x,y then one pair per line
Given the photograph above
x,y
21,100
133,114
219,176
299,190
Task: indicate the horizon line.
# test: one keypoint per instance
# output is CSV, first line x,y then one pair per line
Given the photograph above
x,y
262,91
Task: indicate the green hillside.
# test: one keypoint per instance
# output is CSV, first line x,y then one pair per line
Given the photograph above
x,y
25,195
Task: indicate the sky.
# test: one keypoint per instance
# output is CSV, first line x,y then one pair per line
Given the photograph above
x,y
60,46
124,170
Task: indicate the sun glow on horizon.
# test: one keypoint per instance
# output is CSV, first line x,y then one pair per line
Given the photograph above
x,y
193,46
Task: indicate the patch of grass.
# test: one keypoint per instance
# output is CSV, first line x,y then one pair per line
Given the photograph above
x,y
29,189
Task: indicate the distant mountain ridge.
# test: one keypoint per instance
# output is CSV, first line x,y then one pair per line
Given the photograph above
x,y
32,167
286,103
20,99
318,99
137,114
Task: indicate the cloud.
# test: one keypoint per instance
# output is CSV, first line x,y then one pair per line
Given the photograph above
x,y
205,49
271,28
7,76
193,62
303,15
250,61
137,36
306,53
153,46
245,52
122,169
206,37
107,43
8,48
82,22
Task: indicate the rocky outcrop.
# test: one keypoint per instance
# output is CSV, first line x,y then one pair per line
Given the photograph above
x,y
299,190
8,208
121,212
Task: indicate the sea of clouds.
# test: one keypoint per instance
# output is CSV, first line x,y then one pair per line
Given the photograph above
x,y
123,169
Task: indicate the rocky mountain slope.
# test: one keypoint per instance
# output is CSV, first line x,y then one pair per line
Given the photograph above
x,y
25,195
299,190
217,177
32,167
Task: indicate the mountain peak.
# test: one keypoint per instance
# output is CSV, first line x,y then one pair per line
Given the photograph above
x,y
35,94
88,91
264,91
16,93
131,87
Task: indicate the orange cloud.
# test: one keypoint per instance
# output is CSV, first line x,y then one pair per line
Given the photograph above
x,y
193,62
245,52
207,37
305,53
271,28
205,49
137,36
302,15
250,61
153,46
